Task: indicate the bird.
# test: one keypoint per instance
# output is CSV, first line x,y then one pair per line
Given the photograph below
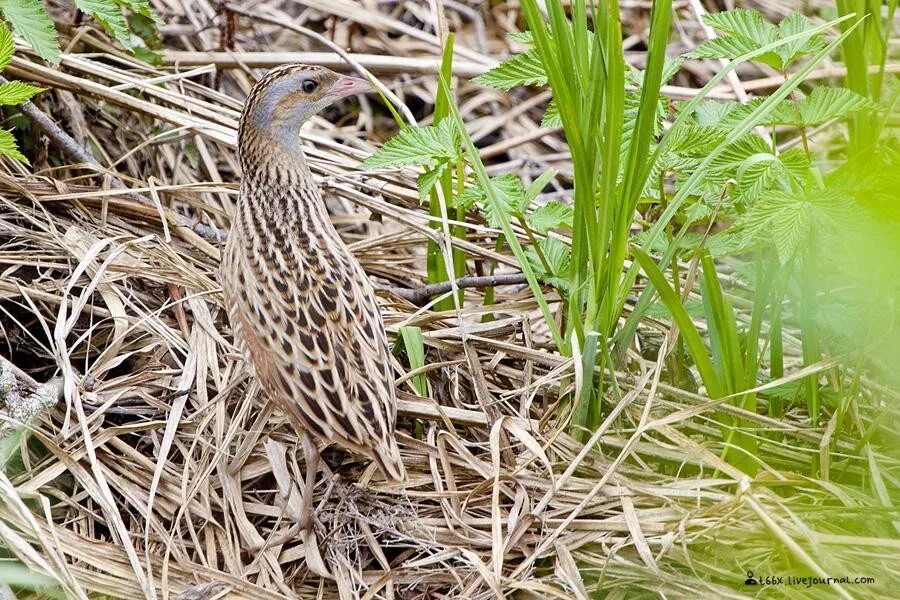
x,y
301,307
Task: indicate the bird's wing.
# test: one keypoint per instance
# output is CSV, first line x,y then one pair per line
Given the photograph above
x,y
312,329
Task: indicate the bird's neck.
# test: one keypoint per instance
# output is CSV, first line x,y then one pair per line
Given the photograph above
x,y
278,193
272,157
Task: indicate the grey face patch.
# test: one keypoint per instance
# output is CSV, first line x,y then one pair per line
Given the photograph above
x,y
282,106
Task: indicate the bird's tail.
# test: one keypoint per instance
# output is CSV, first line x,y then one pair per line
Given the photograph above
x,y
387,457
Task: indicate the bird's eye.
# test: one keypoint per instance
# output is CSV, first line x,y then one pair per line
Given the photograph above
x,y
309,86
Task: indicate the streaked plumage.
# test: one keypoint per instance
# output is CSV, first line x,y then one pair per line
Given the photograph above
x,y
301,306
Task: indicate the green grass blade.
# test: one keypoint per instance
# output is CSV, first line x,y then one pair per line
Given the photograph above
x,y
414,345
492,196
689,333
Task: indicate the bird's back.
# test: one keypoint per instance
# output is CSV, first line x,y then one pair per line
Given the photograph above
x,y
305,315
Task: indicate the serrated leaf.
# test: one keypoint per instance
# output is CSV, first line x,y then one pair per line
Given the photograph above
x,y
757,172
697,211
732,46
427,180
826,103
110,17
17,92
551,116
793,24
552,215
748,23
745,30
712,113
29,19
729,243
523,37
424,146
8,147
7,46
143,8
522,69
694,140
786,220
559,258
511,194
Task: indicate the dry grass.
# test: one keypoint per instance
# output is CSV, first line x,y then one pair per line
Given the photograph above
x,y
164,473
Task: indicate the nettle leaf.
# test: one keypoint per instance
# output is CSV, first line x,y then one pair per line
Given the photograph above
x,y
793,24
788,224
523,37
694,140
522,69
7,46
17,92
512,198
747,23
826,103
559,258
110,16
732,46
551,215
427,180
729,242
822,104
423,146
787,220
29,19
745,30
758,172
712,113
697,211
551,116
143,8
9,148
735,153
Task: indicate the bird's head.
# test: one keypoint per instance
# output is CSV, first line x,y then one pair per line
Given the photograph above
x,y
288,95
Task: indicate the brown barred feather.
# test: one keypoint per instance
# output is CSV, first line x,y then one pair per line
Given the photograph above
x,y
302,308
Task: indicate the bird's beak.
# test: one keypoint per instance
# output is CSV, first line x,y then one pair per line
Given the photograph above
x,y
349,86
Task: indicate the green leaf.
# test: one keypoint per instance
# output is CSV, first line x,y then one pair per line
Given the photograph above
x,y
559,258
747,23
551,116
17,92
694,140
787,220
792,24
522,69
511,196
523,37
826,103
110,16
29,18
428,179
746,30
423,146
551,216
7,46
757,172
141,7
731,47
8,147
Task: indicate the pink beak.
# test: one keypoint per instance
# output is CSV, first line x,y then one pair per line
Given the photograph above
x,y
349,86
